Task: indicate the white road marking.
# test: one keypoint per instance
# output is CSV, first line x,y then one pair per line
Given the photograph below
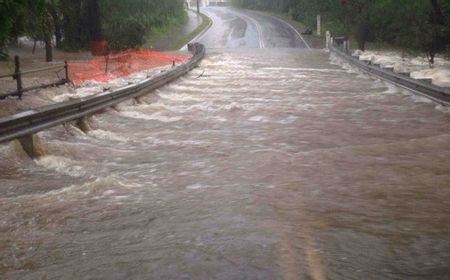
x,y
288,24
257,26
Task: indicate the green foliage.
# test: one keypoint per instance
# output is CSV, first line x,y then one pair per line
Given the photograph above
x,y
9,11
415,24
126,34
18,18
137,18
69,20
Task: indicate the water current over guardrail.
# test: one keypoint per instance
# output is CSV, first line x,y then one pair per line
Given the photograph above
x,y
260,164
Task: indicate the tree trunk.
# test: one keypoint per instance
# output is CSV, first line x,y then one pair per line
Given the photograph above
x,y
438,15
94,20
438,40
362,34
431,59
34,46
48,47
57,25
48,31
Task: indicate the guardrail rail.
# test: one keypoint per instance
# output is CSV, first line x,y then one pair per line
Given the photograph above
x,y
421,87
27,123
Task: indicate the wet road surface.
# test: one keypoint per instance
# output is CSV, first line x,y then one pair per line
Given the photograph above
x,y
233,28
259,164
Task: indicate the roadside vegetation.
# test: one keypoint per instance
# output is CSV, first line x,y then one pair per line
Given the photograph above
x,y
422,26
206,21
72,24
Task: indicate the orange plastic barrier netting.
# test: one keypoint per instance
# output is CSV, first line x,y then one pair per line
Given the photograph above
x,y
122,64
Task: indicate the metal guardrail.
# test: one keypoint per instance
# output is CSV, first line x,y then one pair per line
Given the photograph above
x,y
33,121
421,87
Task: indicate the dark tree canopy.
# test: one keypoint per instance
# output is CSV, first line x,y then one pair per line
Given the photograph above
x,y
74,23
416,24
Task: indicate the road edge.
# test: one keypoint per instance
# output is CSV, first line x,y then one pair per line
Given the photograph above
x,y
311,44
198,33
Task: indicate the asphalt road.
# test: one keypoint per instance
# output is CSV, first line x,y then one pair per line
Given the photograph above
x,y
236,28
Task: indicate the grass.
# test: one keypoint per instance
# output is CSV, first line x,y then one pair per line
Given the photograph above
x,y
157,34
206,21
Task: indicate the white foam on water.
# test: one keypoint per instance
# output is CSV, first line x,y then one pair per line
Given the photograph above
x,y
236,106
415,97
100,188
74,130
418,66
439,76
62,165
391,89
336,60
158,116
7,148
217,119
78,93
92,87
151,107
106,135
109,192
288,120
199,186
171,142
258,119
292,69
443,109
181,96
307,107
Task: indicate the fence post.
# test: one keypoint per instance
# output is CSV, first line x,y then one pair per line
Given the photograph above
x,y
318,25
106,63
18,76
328,38
66,69
346,45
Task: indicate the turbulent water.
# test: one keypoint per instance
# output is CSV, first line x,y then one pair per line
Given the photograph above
x,y
260,164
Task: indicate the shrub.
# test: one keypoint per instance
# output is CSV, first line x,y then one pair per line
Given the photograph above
x,y
126,34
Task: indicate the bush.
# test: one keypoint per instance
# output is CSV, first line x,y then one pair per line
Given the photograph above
x,y
3,54
123,35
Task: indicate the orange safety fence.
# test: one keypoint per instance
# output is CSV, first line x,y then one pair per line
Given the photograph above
x,y
112,66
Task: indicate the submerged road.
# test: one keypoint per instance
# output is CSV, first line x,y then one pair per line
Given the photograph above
x,y
259,164
234,28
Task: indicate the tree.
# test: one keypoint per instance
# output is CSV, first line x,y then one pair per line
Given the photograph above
x,y
416,25
74,23
9,12
94,20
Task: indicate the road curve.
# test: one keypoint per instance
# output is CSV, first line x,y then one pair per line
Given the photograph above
x,y
237,28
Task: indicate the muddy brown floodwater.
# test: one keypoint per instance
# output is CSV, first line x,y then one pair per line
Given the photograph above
x,y
272,164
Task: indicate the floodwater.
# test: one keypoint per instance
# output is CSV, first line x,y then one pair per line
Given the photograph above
x,y
259,164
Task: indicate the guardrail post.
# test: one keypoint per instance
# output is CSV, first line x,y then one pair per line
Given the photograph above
x,y
318,25
328,38
106,63
18,77
66,69
27,143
